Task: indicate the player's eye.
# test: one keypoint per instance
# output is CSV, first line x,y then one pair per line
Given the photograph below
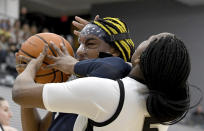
x,y
91,45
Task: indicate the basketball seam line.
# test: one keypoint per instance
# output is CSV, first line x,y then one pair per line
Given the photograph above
x,y
47,44
50,50
43,62
47,74
31,56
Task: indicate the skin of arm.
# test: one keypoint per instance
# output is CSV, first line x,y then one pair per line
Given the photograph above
x,y
29,75
24,87
31,123
28,94
31,120
29,116
24,90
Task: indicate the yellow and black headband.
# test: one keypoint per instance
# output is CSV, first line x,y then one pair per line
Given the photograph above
x,y
117,35
114,32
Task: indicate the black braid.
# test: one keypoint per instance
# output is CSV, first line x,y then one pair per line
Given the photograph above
x,y
166,66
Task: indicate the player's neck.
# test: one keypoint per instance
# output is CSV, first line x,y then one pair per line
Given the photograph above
x,y
137,74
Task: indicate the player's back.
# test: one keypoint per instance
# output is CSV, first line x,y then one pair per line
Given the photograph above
x,y
103,98
134,115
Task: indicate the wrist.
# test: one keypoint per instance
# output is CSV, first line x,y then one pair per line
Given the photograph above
x,y
25,77
30,72
73,67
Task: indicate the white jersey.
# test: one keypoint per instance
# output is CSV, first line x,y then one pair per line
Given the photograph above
x,y
98,99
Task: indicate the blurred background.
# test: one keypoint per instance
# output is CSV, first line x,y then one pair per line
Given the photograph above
x,y
20,19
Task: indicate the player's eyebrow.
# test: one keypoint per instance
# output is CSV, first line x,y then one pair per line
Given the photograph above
x,y
87,39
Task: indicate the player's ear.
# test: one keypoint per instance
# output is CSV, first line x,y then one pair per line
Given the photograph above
x,y
137,61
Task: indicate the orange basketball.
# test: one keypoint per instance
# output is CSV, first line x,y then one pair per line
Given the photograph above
x,y
34,45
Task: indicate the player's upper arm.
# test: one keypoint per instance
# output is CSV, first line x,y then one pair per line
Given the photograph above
x,y
28,95
90,97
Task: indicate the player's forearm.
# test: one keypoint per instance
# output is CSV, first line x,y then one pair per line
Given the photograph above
x,y
26,92
22,84
46,122
30,119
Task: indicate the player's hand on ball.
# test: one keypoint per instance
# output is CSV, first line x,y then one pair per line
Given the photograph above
x,y
21,62
35,64
63,61
79,23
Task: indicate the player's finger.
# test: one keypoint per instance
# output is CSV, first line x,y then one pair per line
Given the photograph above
x,y
80,20
42,55
22,58
64,49
17,59
77,33
51,58
96,17
59,52
51,66
78,25
20,67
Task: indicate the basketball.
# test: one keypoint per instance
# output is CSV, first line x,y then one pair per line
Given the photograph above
x,y
34,45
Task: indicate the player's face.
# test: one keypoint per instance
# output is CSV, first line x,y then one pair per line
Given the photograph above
x,y
143,46
5,113
136,56
90,46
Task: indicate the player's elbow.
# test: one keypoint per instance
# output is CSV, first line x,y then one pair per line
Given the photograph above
x,y
19,96
16,95
17,92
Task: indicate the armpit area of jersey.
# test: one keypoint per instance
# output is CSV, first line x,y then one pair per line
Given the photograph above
x,y
108,67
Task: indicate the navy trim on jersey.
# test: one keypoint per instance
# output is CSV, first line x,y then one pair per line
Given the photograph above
x,y
63,122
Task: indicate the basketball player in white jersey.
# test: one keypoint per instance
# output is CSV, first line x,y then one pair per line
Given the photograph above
x,y
155,92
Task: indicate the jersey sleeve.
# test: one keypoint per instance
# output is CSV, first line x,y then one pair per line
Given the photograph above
x,y
95,98
108,67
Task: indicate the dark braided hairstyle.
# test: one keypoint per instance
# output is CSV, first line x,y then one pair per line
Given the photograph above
x,y
166,66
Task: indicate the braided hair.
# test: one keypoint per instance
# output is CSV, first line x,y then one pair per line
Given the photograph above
x,y
165,64
118,36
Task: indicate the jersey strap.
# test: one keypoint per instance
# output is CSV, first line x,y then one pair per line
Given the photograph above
x,y
120,106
